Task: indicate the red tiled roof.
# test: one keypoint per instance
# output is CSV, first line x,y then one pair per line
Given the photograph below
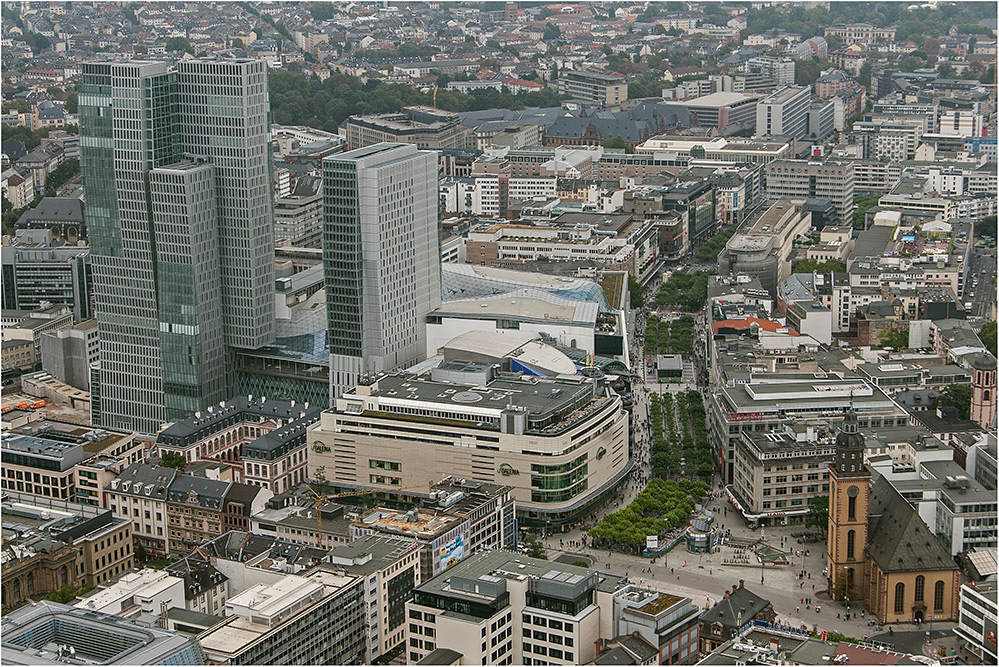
x,y
859,655
744,325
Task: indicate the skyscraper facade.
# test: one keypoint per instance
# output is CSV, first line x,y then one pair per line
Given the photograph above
x,y
176,166
381,258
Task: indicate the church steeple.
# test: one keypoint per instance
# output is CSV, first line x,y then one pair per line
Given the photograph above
x,y
849,490
849,446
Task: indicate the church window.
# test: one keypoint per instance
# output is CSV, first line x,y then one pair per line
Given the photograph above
x,y
899,597
920,584
850,542
938,595
852,508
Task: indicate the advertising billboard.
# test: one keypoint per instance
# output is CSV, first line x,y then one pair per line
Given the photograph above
x,y
452,552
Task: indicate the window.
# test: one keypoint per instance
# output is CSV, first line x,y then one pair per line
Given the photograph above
x,y
899,597
920,583
938,595
852,508
850,541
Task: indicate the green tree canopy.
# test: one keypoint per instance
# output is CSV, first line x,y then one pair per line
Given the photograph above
x,y
818,512
173,460
321,11
551,32
896,336
179,44
635,288
827,266
958,396
988,336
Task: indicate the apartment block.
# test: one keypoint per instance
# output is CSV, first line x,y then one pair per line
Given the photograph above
x,y
500,608
173,513
52,632
264,438
315,619
784,113
101,542
390,569
425,127
977,622
593,86
802,179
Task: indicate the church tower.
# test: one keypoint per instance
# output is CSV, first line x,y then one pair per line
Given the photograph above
x,y
849,492
983,390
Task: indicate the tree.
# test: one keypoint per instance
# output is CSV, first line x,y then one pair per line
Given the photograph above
x,y
828,266
535,549
818,512
551,32
67,170
864,76
946,71
21,106
958,396
237,43
988,336
179,44
861,204
321,11
72,101
173,460
635,288
986,226
896,336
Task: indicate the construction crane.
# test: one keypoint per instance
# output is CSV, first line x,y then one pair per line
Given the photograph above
x,y
321,498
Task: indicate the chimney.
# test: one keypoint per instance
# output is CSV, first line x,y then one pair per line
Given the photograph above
x,y
734,589
597,647
742,583
726,595
775,644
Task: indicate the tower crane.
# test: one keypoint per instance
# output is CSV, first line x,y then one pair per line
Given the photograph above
x,y
319,499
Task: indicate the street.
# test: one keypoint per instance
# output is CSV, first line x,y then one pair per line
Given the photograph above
x,y
702,577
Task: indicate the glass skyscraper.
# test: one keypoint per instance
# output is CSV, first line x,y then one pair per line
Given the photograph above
x,y
177,177
381,258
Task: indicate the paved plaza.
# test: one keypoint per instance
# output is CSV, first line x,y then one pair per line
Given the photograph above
x,y
703,577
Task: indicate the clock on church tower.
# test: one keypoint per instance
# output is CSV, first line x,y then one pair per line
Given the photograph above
x,y
849,492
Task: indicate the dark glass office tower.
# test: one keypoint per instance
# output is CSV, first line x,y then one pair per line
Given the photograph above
x,y
177,175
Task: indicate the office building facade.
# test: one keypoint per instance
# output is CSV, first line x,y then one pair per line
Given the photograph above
x,y
176,163
784,113
381,255
803,179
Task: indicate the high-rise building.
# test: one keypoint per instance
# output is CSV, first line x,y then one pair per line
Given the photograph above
x,y
381,253
176,165
807,179
784,113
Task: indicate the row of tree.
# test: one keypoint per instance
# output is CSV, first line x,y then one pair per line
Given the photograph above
x,y
662,506
297,99
685,291
669,336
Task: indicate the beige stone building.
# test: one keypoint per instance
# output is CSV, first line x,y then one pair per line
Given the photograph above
x,y
561,444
